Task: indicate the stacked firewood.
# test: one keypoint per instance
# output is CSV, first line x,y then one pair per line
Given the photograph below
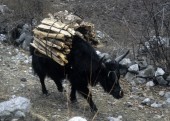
x,y
53,37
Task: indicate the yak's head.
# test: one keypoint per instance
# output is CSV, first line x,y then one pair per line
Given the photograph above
x,y
110,77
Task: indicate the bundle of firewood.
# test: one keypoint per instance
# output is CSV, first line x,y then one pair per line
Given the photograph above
x,y
53,37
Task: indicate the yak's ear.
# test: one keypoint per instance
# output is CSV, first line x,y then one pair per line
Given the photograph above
x,y
101,62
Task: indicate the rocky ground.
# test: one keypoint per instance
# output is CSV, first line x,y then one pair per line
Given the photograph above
x,y
140,103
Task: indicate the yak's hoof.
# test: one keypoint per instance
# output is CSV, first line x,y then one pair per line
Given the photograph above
x,y
94,109
73,100
45,93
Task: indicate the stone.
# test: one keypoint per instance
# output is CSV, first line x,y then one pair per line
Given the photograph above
x,y
126,62
139,80
167,95
148,72
119,118
159,72
156,105
146,101
77,118
23,79
150,84
134,68
161,93
129,76
168,78
3,38
161,80
100,35
142,64
14,108
168,101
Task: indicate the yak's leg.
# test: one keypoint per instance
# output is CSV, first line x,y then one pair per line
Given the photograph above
x,y
59,85
84,91
42,79
73,94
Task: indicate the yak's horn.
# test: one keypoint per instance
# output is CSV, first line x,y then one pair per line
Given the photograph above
x,y
118,59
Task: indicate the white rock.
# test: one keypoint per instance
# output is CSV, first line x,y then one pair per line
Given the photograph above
x,y
161,93
119,118
146,100
3,37
167,94
126,62
134,68
159,72
15,107
77,118
150,84
168,101
156,105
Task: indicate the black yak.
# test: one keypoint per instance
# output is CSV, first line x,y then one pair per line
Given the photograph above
x,y
84,67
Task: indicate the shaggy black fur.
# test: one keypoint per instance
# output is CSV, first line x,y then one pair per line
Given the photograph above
x,y
84,67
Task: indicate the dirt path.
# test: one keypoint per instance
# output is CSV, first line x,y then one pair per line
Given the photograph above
x,y
17,79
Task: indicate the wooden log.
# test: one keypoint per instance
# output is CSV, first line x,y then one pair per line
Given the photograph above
x,y
47,27
51,35
55,41
65,49
59,61
59,43
58,25
48,43
51,50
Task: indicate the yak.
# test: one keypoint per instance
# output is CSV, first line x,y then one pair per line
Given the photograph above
x,y
84,68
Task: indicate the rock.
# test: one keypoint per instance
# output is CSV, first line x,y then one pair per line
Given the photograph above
x,y
161,93
135,89
126,62
146,101
156,105
119,118
167,95
157,117
148,72
161,80
77,118
128,104
3,38
23,79
134,68
129,77
168,101
150,84
4,9
14,108
168,78
142,64
141,107
159,72
100,35
19,114
139,80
